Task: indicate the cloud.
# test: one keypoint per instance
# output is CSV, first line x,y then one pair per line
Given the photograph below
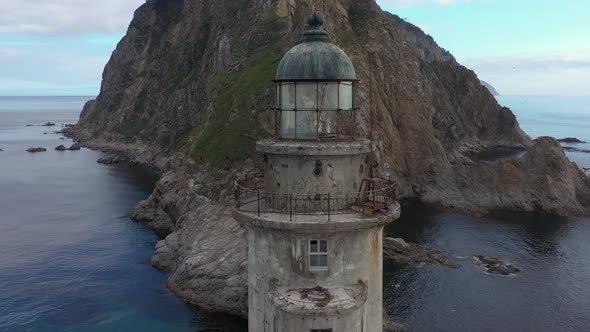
x,y
536,74
65,17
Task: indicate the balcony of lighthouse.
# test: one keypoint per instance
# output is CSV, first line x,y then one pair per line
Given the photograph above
x,y
373,205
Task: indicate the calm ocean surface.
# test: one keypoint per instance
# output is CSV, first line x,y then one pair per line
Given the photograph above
x,y
71,259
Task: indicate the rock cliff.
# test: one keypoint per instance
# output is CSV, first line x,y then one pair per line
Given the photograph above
x,y
188,88
491,88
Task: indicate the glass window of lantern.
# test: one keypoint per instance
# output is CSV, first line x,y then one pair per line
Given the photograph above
x,y
345,95
328,96
307,123
277,96
287,96
307,96
288,124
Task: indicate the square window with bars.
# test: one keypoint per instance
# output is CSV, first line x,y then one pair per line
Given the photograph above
x,y
318,255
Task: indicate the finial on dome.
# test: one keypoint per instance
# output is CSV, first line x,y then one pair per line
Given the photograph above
x,y
315,19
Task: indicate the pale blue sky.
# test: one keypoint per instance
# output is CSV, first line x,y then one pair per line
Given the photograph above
x,y
523,47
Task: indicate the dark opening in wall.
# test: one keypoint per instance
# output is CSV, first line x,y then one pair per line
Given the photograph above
x,y
317,171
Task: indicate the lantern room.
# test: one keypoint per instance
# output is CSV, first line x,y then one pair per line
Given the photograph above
x,y
315,88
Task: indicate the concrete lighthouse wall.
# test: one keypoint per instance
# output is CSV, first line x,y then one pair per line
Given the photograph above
x,y
303,167
279,257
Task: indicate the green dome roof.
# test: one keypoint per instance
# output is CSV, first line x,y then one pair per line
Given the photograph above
x,y
315,58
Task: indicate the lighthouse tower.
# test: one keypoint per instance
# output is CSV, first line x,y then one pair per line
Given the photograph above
x,y
315,216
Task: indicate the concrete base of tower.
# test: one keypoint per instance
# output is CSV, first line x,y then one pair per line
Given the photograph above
x,y
280,255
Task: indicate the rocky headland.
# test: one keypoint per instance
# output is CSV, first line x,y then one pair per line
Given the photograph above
x,y
570,140
187,92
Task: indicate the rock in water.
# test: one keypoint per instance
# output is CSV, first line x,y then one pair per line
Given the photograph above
x,y
35,150
570,140
572,149
494,265
1,150
75,147
111,160
49,124
399,250
60,148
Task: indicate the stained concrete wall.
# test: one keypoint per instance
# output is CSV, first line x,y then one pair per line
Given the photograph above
x,y
279,258
314,174
351,322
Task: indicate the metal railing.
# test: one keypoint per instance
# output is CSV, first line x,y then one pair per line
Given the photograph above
x,y
375,194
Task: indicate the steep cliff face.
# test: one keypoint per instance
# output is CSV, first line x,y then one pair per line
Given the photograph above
x,y
189,87
194,77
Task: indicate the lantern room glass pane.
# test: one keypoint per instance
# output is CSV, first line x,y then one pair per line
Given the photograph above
x,y
345,95
328,96
307,96
278,96
287,96
307,123
287,124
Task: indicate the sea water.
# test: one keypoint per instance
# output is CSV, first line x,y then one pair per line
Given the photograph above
x,y
552,291
71,259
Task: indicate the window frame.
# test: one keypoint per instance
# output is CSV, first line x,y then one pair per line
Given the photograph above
x,y
318,253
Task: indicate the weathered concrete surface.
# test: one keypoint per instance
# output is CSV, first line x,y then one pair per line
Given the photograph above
x,y
279,258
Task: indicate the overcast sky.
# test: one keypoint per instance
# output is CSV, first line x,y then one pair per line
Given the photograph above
x,y
522,47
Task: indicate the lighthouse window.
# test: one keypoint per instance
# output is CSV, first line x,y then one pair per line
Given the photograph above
x,y
318,255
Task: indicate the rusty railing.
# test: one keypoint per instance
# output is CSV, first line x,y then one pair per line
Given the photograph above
x,y
250,196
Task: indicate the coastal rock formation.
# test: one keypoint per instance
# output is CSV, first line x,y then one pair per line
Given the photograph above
x,y
570,140
187,92
35,150
207,252
572,149
60,148
490,88
111,160
151,214
48,124
401,251
542,179
193,77
75,147
494,265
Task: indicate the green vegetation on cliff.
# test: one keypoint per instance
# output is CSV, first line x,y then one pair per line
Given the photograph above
x,y
234,125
